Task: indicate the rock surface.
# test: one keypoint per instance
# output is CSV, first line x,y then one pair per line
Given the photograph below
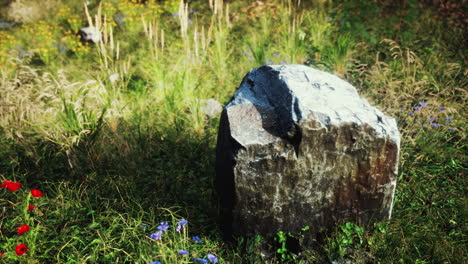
x,y
298,147
4,25
90,34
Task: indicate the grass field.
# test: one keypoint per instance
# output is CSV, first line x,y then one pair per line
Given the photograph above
x,y
115,137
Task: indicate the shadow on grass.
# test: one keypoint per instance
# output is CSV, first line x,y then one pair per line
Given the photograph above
x,y
127,171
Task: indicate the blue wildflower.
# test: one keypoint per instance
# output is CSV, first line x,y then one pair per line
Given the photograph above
x,y
441,108
183,252
62,48
154,262
449,119
251,57
410,112
423,104
417,108
435,125
143,226
181,224
452,129
197,239
119,18
212,258
275,54
157,235
163,226
201,260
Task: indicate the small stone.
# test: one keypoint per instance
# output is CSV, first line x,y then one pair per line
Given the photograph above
x,y
6,25
211,108
113,77
90,34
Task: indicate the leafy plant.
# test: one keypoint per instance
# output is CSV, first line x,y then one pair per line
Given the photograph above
x,y
289,244
349,235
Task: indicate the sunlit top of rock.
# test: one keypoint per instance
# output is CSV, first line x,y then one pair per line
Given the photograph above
x,y
328,98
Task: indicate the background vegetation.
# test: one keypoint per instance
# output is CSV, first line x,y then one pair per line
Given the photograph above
x,y
115,136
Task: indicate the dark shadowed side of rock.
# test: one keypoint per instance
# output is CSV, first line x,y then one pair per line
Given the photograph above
x,y
298,147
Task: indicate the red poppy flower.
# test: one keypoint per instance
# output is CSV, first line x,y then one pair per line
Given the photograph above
x,y
30,207
21,249
36,193
12,186
1,254
23,229
5,183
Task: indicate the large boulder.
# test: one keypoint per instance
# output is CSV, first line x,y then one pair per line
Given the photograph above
x,y
298,147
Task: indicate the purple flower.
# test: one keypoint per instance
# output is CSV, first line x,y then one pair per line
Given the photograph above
x,y
192,11
175,14
201,260
180,224
119,18
163,226
423,104
452,129
143,226
250,57
157,235
63,48
275,54
431,119
197,239
435,125
183,252
417,108
441,108
154,262
245,52
212,258
402,109
449,119
283,62
410,112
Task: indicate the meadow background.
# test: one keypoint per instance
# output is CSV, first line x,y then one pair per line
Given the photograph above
x,y
115,136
